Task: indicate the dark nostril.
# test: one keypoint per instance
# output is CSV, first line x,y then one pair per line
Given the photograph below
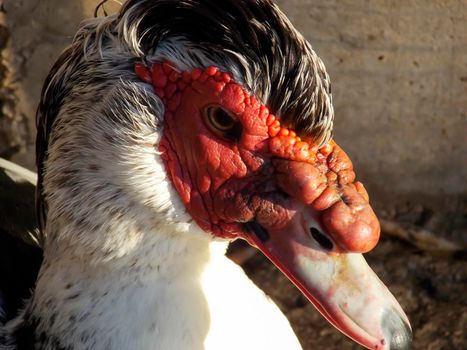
x,y
258,230
322,240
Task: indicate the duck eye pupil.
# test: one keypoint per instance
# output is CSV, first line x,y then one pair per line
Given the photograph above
x,y
222,124
222,119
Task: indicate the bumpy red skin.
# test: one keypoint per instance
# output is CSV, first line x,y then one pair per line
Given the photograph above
x,y
224,184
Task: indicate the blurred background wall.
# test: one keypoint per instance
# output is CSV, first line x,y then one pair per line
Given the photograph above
x,y
399,73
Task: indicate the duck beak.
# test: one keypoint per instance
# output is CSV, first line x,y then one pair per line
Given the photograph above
x,y
340,285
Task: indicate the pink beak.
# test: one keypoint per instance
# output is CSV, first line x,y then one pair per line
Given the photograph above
x,y
340,285
318,246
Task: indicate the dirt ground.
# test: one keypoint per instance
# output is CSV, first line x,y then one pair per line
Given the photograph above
x,y
430,286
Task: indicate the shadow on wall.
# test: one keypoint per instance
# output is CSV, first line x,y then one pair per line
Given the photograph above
x,y
38,31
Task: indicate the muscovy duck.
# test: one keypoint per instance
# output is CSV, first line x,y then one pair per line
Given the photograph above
x,y
166,131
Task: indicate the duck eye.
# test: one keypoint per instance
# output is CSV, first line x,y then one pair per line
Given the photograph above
x,y
221,123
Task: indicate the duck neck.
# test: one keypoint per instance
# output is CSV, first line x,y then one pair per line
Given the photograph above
x,y
151,294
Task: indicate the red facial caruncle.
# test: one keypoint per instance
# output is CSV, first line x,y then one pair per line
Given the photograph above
x,y
212,170
241,173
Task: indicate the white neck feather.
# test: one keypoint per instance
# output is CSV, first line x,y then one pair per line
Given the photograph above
x,y
174,293
152,295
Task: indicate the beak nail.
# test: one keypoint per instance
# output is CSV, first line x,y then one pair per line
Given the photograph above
x,y
398,331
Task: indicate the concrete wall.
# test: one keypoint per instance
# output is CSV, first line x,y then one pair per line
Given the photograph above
x,y
399,72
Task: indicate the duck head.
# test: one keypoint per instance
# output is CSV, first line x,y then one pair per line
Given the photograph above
x,y
241,174
234,105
